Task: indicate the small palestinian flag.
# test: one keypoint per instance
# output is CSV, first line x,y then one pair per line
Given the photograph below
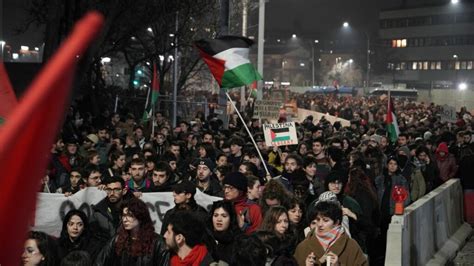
x,y
155,92
280,134
228,60
391,121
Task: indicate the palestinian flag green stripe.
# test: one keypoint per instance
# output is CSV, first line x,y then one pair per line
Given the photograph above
x,y
240,76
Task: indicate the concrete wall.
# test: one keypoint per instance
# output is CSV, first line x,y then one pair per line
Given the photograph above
x,y
451,97
431,230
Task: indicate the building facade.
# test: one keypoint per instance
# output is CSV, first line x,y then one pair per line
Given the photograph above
x,y
429,47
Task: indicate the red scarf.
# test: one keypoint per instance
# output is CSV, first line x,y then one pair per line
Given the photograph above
x,y
327,239
194,258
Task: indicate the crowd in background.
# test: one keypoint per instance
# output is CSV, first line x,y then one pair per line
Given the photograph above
x,y
327,198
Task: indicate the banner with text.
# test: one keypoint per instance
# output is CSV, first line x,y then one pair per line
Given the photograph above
x,y
448,113
280,134
52,207
267,109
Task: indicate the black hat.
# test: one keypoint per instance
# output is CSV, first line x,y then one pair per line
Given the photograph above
x,y
210,164
185,186
237,180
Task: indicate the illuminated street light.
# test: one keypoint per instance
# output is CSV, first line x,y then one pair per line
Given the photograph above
x,y
24,48
455,56
293,36
316,41
37,49
104,60
150,30
345,24
454,1
351,61
462,86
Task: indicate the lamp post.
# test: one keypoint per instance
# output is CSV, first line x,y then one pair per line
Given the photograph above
x,y
367,36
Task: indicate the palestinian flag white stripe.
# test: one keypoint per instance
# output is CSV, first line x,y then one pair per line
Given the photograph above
x,y
234,57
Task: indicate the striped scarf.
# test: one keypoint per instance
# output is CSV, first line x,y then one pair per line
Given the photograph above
x,y
329,238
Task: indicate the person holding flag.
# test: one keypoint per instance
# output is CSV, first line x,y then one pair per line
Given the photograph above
x,y
228,60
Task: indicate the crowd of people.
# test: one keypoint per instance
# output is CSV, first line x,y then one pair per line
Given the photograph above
x,y
326,200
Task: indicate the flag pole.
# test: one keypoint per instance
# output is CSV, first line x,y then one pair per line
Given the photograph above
x,y
250,134
116,103
152,118
147,99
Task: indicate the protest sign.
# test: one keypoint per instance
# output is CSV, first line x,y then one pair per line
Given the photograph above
x,y
448,113
52,207
280,134
267,109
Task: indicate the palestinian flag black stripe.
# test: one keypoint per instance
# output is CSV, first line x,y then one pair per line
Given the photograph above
x,y
213,47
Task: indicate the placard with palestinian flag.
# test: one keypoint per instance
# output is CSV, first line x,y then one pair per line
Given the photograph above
x,y
228,60
280,134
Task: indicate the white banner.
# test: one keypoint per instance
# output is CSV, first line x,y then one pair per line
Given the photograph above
x,y
280,134
52,207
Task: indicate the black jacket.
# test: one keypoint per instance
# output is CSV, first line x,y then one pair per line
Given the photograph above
x,y
108,257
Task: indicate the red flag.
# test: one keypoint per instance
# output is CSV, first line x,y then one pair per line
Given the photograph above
x,y
7,96
25,139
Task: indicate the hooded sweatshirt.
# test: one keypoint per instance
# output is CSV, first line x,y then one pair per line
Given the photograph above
x,y
446,162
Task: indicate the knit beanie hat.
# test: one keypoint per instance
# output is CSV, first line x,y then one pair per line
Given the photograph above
x,y
237,180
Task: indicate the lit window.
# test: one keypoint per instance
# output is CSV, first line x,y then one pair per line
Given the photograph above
x,y
420,65
457,65
425,65
433,65
414,65
403,65
463,65
469,65
404,43
438,65
399,43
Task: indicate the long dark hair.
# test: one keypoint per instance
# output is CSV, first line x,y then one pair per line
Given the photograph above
x,y
146,234
359,181
229,208
46,246
64,239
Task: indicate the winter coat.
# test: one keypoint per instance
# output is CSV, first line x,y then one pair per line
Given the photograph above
x,y
347,250
417,185
108,257
104,219
396,180
447,167
253,217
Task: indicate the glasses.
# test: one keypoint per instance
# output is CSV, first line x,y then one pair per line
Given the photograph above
x,y
127,216
114,190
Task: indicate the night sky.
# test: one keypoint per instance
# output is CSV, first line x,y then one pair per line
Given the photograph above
x,y
306,18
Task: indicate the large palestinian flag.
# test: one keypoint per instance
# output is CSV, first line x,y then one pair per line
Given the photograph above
x,y
228,59
8,99
391,121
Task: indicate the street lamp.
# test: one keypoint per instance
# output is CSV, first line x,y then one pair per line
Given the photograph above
x,y
367,78
462,86
293,36
454,1
2,44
